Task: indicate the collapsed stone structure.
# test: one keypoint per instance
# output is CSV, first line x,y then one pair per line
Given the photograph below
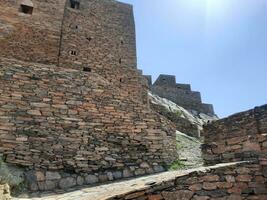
x,y
166,87
73,105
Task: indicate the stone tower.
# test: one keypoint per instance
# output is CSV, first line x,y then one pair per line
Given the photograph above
x,y
73,102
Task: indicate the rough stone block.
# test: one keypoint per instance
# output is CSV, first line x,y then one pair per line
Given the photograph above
x,y
67,182
52,175
91,179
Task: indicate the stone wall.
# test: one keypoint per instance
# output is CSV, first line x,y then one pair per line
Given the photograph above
x,y
4,192
32,37
65,120
97,36
241,137
100,37
102,33
166,87
222,182
238,137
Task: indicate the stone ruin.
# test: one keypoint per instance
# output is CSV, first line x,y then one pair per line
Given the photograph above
x,y
74,109
166,87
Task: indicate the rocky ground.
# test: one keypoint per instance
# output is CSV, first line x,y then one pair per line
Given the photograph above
x,y
188,124
189,150
193,118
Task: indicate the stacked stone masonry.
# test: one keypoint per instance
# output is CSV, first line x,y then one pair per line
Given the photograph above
x,y
181,94
72,101
101,35
31,37
239,137
225,182
98,36
60,119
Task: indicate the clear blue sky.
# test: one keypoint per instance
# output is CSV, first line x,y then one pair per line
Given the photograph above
x,y
218,46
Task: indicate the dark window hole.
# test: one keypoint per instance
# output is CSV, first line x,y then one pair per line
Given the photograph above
x,y
26,9
87,69
73,53
75,4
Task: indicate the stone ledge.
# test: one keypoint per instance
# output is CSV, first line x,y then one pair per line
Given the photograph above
x,y
131,189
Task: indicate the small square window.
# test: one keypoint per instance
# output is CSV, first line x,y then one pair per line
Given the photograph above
x,y
26,9
75,4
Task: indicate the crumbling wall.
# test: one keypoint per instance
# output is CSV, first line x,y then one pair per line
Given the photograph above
x,y
31,37
58,119
166,87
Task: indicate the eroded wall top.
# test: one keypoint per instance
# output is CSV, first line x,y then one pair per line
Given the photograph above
x,y
166,87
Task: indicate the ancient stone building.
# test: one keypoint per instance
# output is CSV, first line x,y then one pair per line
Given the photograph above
x,y
181,94
73,105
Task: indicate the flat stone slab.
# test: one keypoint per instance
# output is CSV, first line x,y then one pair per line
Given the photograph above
x,y
114,189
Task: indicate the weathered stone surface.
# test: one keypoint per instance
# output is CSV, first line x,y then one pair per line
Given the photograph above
x,y
211,178
52,175
117,175
40,176
103,178
195,187
91,179
244,178
158,168
182,195
209,186
230,179
127,173
67,182
80,180
144,165
50,185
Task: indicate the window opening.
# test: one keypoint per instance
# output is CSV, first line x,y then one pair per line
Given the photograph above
x,y
26,7
75,4
87,69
